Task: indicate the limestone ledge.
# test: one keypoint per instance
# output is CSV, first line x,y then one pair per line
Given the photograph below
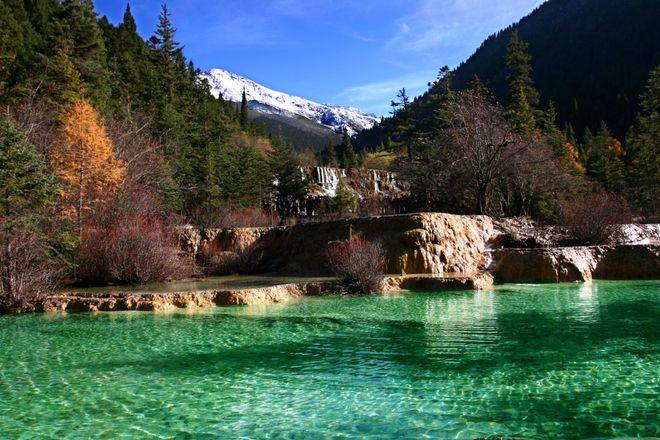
x,y
163,302
577,264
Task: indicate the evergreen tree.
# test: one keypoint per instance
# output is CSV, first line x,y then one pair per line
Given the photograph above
x,y
26,183
168,53
135,76
11,44
345,200
347,158
439,100
604,159
62,83
404,128
244,117
28,188
330,155
644,148
88,52
523,97
290,190
245,175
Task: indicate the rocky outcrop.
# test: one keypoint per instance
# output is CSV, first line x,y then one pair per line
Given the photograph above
x,y
427,283
194,241
521,232
434,243
414,243
627,262
571,264
426,243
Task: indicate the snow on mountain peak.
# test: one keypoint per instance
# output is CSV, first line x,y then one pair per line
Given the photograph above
x,y
264,100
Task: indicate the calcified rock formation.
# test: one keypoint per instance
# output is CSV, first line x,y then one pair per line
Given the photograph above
x,y
161,302
164,302
427,243
431,243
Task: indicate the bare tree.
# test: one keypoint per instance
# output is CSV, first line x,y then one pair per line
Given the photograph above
x,y
479,164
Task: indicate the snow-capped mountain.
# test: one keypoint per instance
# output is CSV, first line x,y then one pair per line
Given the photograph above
x,y
264,100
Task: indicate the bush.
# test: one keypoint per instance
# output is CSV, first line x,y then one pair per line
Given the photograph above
x,y
26,272
359,264
128,242
226,217
591,220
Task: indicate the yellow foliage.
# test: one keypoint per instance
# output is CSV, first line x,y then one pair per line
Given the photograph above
x,y
261,144
83,158
574,157
379,161
615,147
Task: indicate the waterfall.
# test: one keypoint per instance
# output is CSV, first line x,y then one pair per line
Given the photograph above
x,y
328,179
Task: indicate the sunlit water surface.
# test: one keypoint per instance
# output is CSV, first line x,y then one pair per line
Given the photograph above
x,y
538,361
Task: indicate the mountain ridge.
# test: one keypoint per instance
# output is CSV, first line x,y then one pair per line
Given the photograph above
x,y
264,100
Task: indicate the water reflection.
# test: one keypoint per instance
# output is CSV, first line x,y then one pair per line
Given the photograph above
x,y
587,304
464,324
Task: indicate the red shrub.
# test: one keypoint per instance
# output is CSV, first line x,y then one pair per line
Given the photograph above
x,y
591,220
226,217
128,242
359,264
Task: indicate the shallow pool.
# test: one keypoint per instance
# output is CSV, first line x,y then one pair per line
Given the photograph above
x,y
539,361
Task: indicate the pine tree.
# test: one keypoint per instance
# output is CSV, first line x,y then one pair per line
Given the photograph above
x,y
439,99
523,97
345,200
644,148
84,161
168,52
134,78
11,44
347,158
63,85
28,188
404,128
245,175
244,117
290,190
330,155
604,162
88,52
26,183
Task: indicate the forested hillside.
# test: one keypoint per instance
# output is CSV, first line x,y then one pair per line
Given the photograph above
x,y
581,73
591,58
191,145
109,142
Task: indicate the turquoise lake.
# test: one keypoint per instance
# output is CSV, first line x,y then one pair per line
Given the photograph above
x,y
540,361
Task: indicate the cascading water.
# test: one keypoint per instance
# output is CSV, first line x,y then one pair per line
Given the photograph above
x,y
328,179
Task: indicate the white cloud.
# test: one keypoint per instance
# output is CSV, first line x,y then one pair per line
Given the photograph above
x,y
436,24
375,96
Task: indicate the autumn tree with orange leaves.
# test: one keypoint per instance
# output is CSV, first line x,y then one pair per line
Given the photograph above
x,y
84,160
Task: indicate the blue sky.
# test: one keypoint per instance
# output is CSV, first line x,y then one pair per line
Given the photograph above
x,y
348,52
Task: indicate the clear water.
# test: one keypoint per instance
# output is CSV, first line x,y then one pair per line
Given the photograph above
x,y
537,361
